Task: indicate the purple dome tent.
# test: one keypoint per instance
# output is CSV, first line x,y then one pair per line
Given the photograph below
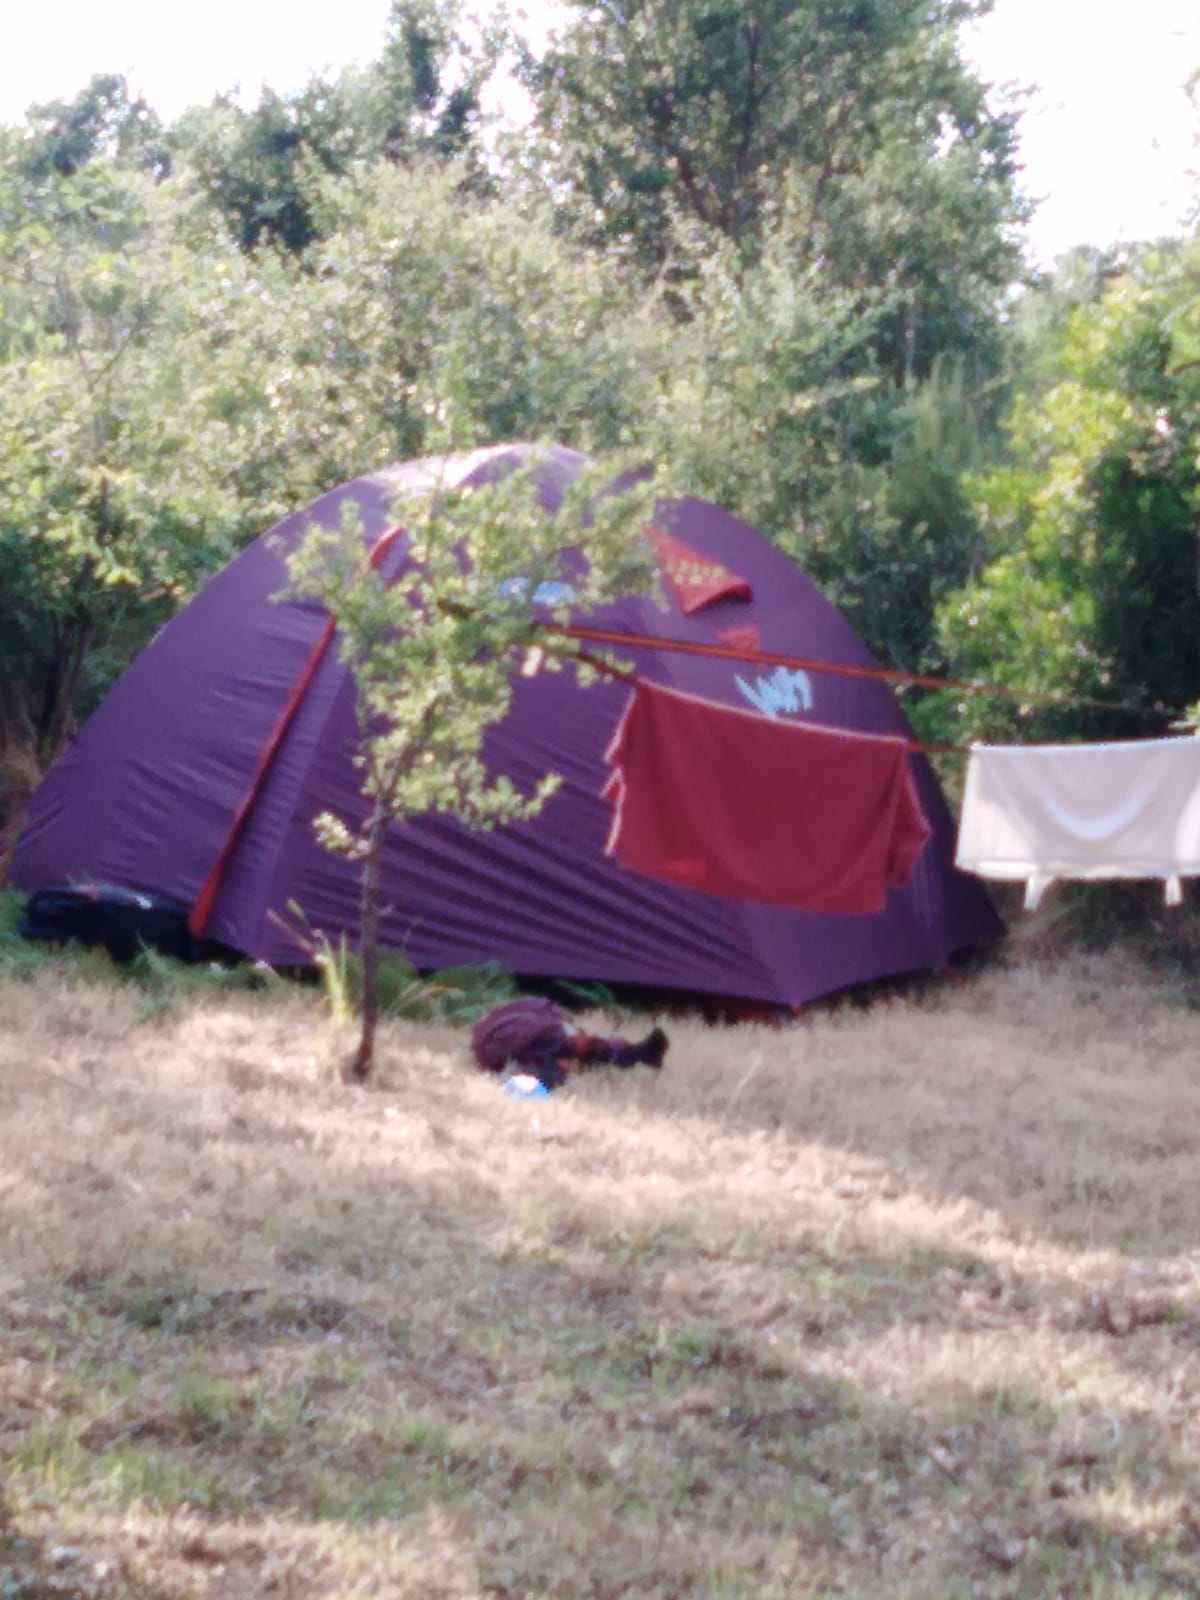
x,y
200,775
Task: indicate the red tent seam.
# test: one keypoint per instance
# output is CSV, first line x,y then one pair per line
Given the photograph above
x,y
206,899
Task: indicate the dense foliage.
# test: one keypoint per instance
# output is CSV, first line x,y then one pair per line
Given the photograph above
x,y
771,246
855,130
1087,578
138,445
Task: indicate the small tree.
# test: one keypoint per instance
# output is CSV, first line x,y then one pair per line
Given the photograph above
x,y
434,633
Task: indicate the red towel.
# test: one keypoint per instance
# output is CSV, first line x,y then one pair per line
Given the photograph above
x,y
777,812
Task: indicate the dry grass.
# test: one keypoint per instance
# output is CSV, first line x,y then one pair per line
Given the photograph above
x,y
904,1302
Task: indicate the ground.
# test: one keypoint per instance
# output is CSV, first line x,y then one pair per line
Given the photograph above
x,y
903,1301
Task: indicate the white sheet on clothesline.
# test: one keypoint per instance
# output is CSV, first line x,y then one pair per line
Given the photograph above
x,y
1042,812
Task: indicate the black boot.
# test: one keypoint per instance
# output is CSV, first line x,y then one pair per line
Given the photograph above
x,y
648,1053
548,1070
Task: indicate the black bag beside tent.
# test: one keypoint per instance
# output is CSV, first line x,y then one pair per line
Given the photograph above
x,y
121,920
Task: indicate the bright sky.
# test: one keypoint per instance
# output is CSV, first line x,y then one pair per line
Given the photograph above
x,y
1108,142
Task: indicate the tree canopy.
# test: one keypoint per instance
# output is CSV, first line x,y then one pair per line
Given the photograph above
x,y
774,246
855,128
1090,521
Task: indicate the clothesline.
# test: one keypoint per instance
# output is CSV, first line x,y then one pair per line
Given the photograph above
x,y
770,658
714,798
627,675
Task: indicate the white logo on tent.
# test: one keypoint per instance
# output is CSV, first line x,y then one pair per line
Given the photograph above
x,y
786,689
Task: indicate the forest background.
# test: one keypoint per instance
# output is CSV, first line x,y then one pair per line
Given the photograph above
x,y
775,247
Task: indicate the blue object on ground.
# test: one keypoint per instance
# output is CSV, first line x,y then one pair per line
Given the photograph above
x,y
525,1086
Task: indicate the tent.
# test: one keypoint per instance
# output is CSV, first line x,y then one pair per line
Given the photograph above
x,y
200,774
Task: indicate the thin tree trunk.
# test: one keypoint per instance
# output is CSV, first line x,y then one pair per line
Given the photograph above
x,y
364,1056
61,688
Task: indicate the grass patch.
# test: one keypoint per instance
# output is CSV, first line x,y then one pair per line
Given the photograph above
x,y
916,1313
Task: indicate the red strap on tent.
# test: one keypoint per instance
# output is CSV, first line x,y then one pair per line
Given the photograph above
x,y
607,669
774,658
694,580
206,899
202,910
